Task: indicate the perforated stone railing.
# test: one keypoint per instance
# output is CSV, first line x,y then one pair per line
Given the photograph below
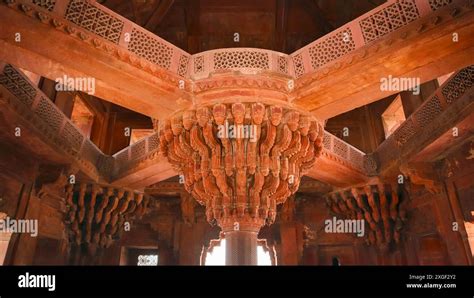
x,y
429,115
245,60
343,152
375,24
110,31
143,149
49,118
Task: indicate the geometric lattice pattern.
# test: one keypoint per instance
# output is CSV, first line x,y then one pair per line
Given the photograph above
x,y
153,142
94,20
388,19
46,4
18,85
282,64
458,85
241,59
122,157
183,65
428,112
327,140
331,48
340,148
138,149
344,150
90,153
72,136
241,178
299,66
435,4
405,132
47,111
198,64
150,48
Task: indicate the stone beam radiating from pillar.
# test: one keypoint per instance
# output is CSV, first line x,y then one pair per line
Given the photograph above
x,y
241,160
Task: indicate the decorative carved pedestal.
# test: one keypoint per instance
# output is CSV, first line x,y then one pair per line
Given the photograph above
x,y
241,178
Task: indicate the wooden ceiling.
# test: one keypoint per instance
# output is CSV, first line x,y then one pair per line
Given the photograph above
x,y
280,25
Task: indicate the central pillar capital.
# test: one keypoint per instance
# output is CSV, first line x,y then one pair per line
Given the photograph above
x,y
241,159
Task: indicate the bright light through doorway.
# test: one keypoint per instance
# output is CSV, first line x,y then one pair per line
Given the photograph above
x,y
217,256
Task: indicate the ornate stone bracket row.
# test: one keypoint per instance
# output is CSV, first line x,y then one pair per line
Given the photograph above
x,y
381,206
241,177
106,30
344,153
96,214
429,121
43,115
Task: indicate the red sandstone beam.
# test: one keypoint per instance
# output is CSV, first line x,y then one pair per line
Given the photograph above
x,y
53,47
145,174
422,49
37,139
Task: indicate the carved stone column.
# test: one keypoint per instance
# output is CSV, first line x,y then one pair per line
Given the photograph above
x,y
240,179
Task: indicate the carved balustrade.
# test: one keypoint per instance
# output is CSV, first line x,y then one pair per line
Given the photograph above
x,y
245,60
143,149
241,179
344,153
97,25
36,108
362,31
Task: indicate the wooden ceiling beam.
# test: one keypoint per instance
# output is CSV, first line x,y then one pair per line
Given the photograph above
x,y
281,22
158,15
